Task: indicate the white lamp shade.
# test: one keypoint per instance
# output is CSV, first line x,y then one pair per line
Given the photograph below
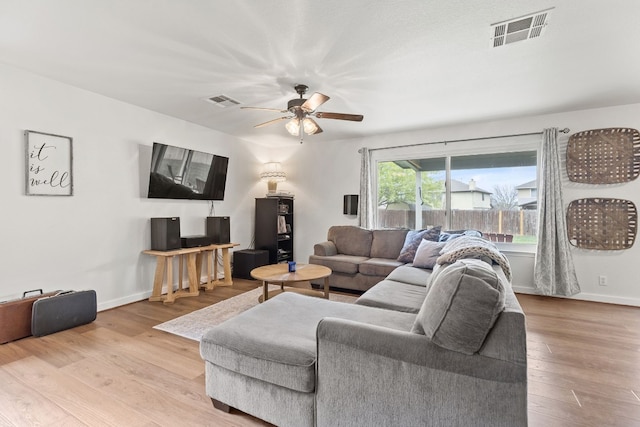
x,y
273,172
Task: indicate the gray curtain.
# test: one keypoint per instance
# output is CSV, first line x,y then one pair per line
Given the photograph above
x,y
365,204
554,273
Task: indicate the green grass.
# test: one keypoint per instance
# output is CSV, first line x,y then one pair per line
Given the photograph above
x,y
525,239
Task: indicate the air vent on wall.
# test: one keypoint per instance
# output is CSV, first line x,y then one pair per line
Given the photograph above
x,y
519,29
223,101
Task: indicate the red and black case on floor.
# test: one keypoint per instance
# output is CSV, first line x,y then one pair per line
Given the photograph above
x,y
15,315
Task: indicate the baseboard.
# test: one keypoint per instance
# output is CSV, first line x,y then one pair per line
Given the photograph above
x,y
583,296
106,305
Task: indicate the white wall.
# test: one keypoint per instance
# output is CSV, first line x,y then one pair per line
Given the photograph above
x,y
94,239
333,170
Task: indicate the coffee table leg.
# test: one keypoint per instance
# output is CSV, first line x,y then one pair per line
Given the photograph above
x,y
265,290
326,287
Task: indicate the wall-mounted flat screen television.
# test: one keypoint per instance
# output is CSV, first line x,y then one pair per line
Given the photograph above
x,y
180,173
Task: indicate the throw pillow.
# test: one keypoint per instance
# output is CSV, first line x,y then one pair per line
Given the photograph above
x,y
427,254
412,241
462,305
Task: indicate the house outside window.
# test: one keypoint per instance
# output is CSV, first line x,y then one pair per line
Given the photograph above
x,y
494,192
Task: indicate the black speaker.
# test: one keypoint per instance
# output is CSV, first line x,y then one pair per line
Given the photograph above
x,y
219,229
165,234
246,260
350,204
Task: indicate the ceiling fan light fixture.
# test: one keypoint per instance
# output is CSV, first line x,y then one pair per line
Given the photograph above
x,y
299,121
293,126
310,127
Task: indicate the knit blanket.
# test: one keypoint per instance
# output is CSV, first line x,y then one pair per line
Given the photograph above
x,y
473,247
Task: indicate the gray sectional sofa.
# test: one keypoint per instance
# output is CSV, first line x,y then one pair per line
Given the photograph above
x,y
359,258
441,347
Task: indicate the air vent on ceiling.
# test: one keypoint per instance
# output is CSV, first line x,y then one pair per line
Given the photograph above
x,y
223,101
519,29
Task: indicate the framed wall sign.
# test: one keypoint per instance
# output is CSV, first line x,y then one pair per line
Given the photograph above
x,y
49,168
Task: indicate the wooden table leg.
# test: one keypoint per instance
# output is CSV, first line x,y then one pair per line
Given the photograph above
x,y
158,279
226,262
207,259
194,279
180,271
199,258
170,298
265,290
214,259
204,257
326,287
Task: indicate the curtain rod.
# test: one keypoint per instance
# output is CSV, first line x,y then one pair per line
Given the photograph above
x,y
565,130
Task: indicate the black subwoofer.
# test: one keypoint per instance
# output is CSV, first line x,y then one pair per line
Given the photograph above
x,y
246,260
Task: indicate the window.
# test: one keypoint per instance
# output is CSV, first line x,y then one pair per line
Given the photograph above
x,y
494,193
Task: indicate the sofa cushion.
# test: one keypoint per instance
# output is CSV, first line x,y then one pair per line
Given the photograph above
x,y
378,266
427,254
410,275
412,241
392,295
461,306
339,263
276,341
387,243
351,240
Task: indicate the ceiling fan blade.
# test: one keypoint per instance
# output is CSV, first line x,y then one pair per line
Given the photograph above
x,y
264,109
316,100
340,116
272,121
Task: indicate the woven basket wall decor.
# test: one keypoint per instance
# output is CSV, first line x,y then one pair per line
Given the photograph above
x,y
604,156
599,223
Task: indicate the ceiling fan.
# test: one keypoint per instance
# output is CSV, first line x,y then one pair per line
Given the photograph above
x,y
301,110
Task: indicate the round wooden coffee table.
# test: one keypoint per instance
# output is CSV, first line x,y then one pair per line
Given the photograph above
x,y
279,274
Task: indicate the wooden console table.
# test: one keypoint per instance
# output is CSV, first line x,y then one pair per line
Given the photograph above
x,y
194,258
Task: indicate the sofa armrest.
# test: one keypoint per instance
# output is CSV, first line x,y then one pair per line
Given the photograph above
x,y
325,249
382,376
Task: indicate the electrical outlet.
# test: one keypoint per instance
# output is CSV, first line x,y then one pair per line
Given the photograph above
x,y
602,280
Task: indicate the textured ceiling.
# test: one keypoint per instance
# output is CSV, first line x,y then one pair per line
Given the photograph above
x,y
405,65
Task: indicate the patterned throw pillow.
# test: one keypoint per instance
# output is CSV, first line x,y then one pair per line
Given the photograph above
x,y
412,241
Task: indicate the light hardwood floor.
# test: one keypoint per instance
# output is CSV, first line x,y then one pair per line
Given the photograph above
x,y
584,368
584,362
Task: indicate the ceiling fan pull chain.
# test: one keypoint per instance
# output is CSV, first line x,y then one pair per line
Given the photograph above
x,y
301,132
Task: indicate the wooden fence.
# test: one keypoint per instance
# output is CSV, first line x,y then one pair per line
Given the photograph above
x,y
523,222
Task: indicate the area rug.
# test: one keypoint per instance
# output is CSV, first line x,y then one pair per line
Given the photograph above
x,y
196,323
